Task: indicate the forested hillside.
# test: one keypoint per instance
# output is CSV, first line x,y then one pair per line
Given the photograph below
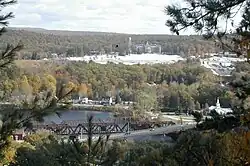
x,y
44,42
182,86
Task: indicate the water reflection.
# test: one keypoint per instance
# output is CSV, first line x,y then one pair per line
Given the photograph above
x,y
76,115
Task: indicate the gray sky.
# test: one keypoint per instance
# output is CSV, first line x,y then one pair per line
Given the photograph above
x,y
125,16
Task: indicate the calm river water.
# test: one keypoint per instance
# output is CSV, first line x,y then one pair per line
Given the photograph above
x,y
78,115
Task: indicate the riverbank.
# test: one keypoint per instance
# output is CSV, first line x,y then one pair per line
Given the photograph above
x,y
117,110
101,108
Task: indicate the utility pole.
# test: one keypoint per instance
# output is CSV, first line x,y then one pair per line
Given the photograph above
x,y
81,134
128,121
128,126
129,45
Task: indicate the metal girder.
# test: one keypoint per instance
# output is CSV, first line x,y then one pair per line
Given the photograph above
x,y
77,128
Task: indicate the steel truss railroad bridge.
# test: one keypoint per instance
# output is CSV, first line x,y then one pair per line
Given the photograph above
x,y
82,128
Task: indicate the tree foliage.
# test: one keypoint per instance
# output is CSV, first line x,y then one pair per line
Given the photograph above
x,y
204,17
44,44
178,87
32,108
183,86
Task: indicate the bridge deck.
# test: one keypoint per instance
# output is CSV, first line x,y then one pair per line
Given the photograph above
x,y
82,127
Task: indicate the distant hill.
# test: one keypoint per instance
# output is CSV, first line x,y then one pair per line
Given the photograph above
x,y
41,43
28,29
62,32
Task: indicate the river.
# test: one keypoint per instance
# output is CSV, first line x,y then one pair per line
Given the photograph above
x,y
77,116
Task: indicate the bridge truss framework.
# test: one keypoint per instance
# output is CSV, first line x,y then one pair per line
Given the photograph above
x,y
69,128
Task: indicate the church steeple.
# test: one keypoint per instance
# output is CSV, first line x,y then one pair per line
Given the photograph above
x,y
218,103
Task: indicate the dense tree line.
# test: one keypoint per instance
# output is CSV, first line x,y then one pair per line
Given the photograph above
x,y
41,44
177,87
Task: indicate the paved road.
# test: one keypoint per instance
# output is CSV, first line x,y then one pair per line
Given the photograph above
x,y
148,132
160,130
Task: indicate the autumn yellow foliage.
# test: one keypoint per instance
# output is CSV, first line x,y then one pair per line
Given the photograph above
x,y
83,90
9,154
237,147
